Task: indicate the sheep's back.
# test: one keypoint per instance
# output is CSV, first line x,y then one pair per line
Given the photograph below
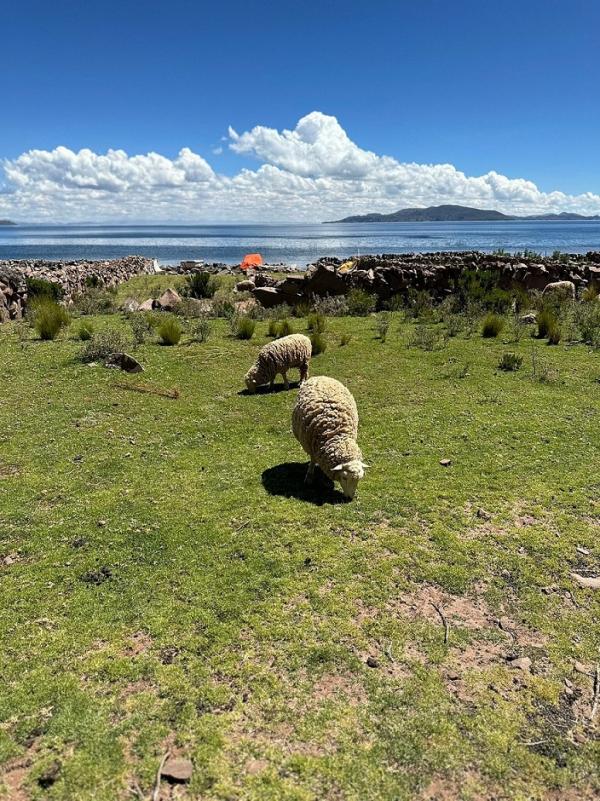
x,y
325,409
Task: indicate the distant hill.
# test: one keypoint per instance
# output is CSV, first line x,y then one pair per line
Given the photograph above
x,y
452,213
7,222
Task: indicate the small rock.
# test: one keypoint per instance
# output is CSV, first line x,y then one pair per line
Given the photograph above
x,y
101,523
581,668
588,582
584,551
445,462
453,675
483,515
124,362
177,770
372,662
521,663
579,737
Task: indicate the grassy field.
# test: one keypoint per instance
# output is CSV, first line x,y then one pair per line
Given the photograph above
x,y
167,583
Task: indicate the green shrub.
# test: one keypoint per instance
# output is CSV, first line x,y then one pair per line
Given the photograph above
x,y
382,325
345,339
587,321
103,344
316,322
510,362
554,333
49,318
273,329
286,328
85,331
319,344
427,337
202,330
244,327
492,325
361,303
142,326
546,319
39,288
330,305
95,301
170,331
224,304
201,285
420,303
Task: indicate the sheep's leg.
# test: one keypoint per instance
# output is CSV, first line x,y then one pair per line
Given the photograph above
x,y
303,372
310,473
272,383
285,381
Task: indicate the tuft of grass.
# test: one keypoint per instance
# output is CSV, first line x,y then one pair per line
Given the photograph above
x,y
285,327
382,325
244,327
546,319
49,318
169,331
492,325
85,331
510,362
41,289
319,344
273,329
201,285
554,333
316,322
345,339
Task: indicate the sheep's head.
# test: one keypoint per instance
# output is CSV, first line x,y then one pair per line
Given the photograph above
x,y
251,379
349,474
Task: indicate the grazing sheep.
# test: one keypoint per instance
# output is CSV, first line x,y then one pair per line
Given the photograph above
x,y
325,423
560,289
277,358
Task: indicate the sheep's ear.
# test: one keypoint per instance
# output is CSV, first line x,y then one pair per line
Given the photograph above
x,y
337,468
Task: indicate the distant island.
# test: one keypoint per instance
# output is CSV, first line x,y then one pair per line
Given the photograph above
x,y
7,222
451,213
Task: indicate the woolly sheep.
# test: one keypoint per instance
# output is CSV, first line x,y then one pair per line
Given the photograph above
x,y
325,423
278,357
563,289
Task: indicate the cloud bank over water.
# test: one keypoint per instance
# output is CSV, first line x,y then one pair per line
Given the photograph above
x,y
311,173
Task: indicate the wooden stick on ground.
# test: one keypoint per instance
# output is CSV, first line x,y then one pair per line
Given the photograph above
x,y
444,621
156,793
596,693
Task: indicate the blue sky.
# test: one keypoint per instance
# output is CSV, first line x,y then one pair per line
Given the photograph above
x,y
509,87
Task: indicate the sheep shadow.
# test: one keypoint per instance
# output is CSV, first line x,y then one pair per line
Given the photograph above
x,y
287,479
279,387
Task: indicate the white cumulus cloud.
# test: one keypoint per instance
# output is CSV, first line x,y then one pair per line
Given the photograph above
x,y
310,173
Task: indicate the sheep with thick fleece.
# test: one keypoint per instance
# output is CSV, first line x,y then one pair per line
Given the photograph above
x,y
325,423
278,357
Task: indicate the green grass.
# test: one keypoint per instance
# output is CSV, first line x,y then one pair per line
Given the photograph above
x,y
167,582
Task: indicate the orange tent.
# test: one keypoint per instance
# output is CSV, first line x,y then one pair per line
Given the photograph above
x,y
251,260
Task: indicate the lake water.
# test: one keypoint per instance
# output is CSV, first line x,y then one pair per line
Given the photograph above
x,y
291,244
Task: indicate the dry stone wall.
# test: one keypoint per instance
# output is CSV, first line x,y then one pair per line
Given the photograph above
x,y
72,276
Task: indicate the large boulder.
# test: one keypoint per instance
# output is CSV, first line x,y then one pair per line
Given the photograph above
x,y
324,279
169,300
245,286
560,289
268,296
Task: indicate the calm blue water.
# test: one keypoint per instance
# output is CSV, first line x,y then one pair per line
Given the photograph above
x,y
292,244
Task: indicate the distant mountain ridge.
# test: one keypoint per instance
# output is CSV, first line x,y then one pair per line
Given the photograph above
x,y
7,222
454,213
